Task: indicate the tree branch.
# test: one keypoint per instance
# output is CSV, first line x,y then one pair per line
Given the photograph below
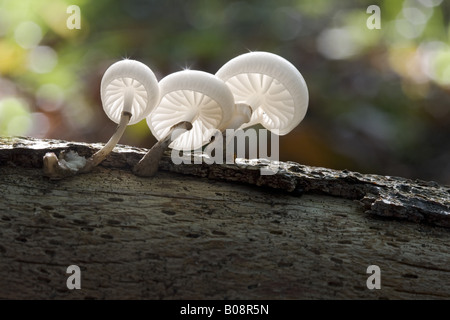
x,y
206,232
386,196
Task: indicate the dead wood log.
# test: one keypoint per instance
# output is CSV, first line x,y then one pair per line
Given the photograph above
x,y
199,231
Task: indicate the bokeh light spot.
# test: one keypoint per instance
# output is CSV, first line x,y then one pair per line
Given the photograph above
x,y
50,97
414,15
441,66
407,29
430,3
40,125
42,59
15,118
337,43
28,34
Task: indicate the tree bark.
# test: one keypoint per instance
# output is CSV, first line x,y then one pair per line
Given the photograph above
x,y
197,231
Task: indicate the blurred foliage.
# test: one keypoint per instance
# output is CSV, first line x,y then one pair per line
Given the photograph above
x,y
379,99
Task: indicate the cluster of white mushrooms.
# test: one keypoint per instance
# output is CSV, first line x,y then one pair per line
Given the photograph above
x,y
187,108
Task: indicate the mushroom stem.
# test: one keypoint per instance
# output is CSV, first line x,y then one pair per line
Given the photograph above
x,y
148,165
100,155
125,118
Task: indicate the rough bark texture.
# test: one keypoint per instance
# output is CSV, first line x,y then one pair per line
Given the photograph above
x,y
216,232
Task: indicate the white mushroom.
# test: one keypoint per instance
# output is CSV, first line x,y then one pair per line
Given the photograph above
x,y
129,92
273,88
195,97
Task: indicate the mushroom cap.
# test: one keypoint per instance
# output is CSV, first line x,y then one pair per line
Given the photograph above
x,y
195,96
132,79
271,85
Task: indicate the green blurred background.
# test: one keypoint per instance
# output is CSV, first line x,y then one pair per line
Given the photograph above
x,y
379,99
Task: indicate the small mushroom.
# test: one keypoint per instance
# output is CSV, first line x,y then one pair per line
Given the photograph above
x,y
129,92
271,86
196,97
